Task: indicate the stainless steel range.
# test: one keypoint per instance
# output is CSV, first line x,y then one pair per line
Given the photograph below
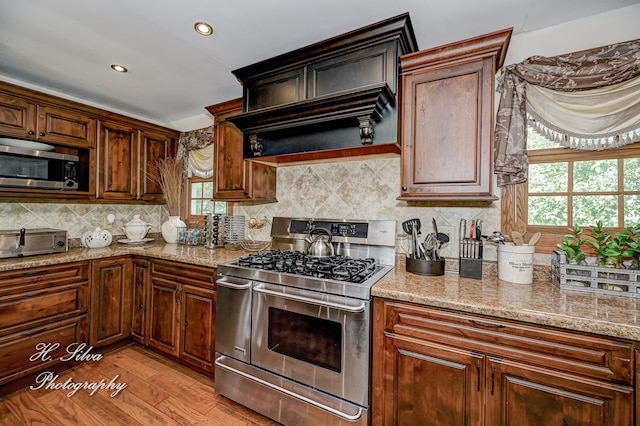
x,y
293,337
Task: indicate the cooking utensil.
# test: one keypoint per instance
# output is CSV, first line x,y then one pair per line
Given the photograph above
x,y
408,226
496,237
517,238
534,239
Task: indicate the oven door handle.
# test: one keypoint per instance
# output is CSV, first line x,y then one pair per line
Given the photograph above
x,y
226,282
345,416
346,308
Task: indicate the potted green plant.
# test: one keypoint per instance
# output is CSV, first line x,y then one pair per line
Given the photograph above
x,y
599,242
572,245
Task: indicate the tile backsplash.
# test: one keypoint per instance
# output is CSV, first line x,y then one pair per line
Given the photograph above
x,y
78,218
364,189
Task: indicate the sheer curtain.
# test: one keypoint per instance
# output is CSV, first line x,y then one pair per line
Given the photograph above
x,y
561,92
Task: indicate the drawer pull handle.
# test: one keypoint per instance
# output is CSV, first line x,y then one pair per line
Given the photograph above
x,y
486,325
478,366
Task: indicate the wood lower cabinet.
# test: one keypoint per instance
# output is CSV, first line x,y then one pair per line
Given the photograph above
x,y
520,394
40,306
164,313
198,326
237,179
438,367
110,301
182,312
446,119
139,303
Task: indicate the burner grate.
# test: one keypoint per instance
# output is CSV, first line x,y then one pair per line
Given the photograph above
x,y
340,268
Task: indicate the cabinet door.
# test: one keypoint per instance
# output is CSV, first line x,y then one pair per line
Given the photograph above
x,y
164,329
139,303
17,117
446,136
154,147
232,175
235,178
118,162
522,395
63,126
429,384
17,349
198,321
110,301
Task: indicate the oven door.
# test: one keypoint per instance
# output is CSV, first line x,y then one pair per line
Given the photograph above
x,y
317,339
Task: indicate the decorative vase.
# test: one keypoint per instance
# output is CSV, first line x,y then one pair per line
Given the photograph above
x,y
170,229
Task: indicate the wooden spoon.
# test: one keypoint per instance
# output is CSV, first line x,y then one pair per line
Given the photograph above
x,y
517,238
534,239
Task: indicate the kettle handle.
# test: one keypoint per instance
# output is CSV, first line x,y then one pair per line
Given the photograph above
x,y
320,231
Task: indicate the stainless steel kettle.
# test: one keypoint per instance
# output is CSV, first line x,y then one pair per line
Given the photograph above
x,y
319,245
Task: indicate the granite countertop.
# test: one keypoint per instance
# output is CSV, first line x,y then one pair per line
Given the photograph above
x,y
539,303
196,255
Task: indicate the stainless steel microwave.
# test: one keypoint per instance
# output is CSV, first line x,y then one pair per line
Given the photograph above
x,y
26,168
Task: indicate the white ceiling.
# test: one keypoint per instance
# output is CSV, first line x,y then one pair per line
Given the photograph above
x,y
67,46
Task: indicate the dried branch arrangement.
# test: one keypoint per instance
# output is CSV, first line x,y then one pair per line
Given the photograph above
x,y
169,174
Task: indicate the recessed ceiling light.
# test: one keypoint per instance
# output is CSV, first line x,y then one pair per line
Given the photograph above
x,y
203,28
118,68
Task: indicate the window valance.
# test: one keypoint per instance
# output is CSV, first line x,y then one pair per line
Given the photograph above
x,y
197,146
570,73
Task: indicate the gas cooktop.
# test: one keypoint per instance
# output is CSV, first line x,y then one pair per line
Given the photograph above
x,y
341,268
365,253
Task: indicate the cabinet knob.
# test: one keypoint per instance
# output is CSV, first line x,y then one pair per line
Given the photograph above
x,y
404,188
246,192
142,305
41,133
30,132
137,284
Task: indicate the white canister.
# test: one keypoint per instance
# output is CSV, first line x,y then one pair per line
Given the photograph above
x,y
515,263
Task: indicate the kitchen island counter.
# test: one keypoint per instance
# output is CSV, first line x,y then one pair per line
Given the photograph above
x,y
539,303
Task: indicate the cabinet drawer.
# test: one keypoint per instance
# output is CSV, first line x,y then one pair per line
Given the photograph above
x,y
588,355
26,310
30,279
183,273
16,349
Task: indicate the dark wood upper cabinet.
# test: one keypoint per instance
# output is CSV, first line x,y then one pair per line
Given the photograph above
x,y
127,156
116,153
332,99
237,179
32,119
447,119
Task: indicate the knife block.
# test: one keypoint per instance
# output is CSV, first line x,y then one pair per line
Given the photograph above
x,y
471,267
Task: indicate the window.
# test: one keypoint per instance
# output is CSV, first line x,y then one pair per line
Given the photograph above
x,y
568,187
200,201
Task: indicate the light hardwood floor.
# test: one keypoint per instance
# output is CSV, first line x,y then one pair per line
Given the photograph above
x,y
158,392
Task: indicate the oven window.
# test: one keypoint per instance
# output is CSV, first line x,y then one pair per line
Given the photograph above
x,y
314,340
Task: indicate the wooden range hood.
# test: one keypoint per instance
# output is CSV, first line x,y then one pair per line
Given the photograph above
x,y
332,99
